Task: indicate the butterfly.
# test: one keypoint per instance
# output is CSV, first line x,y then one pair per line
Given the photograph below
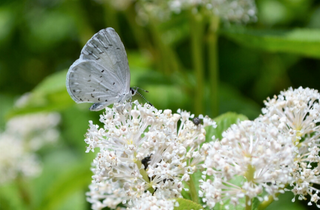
x,y
101,75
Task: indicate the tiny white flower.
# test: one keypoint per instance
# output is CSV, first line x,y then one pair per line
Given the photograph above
x,y
296,112
22,137
249,154
148,201
228,10
143,149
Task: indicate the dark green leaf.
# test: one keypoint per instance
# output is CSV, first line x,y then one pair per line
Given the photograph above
x,y
305,42
285,203
232,100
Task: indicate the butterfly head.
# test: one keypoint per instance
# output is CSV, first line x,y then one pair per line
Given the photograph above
x,y
133,91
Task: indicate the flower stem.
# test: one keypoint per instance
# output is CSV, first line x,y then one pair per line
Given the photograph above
x,y
213,65
139,32
111,16
197,31
265,204
84,28
249,175
142,171
24,194
166,57
193,190
248,203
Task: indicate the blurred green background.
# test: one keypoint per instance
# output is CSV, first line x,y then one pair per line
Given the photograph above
x,y
40,39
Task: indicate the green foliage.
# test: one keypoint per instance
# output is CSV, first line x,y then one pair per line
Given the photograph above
x,y
50,95
40,39
301,41
187,204
223,121
284,202
55,187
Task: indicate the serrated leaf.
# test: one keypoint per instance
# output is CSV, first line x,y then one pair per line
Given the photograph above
x,y
305,42
223,121
185,204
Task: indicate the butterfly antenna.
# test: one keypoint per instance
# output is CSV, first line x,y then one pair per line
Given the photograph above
x,y
142,89
137,88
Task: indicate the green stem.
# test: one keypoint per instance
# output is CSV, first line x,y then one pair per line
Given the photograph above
x,y
197,31
80,18
111,18
24,193
163,59
248,200
142,171
213,65
265,204
249,175
168,58
144,174
193,190
138,31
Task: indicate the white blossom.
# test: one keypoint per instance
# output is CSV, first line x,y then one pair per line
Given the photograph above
x,y
148,201
228,10
296,112
22,137
143,149
250,160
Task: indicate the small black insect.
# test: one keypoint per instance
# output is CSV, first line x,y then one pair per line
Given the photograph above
x,y
145,161
197,121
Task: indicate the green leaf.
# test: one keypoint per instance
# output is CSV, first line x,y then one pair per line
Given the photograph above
x,y
232,100
6,105
223,121
229,206
305,42
49,95
284,202
10,197
187,204
56,186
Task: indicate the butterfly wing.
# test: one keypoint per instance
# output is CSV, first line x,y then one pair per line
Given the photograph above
x,y
101,75
89,82
106,49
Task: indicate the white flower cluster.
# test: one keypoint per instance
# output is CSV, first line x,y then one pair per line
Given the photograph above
x,y
297,113
229,10
250,159
280,149
234,10
145,156
22,136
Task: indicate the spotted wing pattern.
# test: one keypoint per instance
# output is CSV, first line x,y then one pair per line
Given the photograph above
x,y
106,48
101,75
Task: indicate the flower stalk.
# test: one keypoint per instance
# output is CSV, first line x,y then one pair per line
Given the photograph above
x,y
193,190
197,32
213,65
